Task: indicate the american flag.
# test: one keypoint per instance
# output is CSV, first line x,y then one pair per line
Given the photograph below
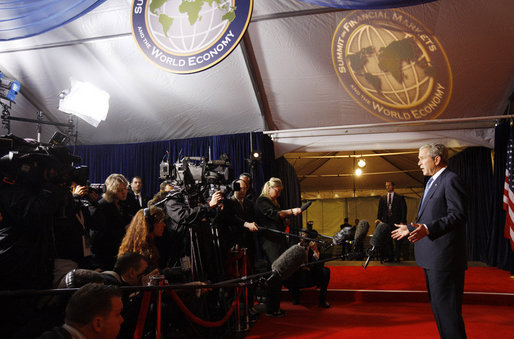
x,y
508,193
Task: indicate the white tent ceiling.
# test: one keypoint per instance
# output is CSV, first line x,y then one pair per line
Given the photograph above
x,y
280,78
290,42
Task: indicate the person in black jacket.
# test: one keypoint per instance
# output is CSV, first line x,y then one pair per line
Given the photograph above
x,y
392,209
238,220
110,220
26,248
189,212
94,311
269,215
71,233
136,199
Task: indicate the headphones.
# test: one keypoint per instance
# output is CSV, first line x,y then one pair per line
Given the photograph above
x,y
69,279
235,185
148,219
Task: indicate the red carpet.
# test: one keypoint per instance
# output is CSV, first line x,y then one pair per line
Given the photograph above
x,y
391,302
478,279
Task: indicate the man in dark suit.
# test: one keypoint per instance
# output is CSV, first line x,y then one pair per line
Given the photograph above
x,y
392,209
135,198
439,239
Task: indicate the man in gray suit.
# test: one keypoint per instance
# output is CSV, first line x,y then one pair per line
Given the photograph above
x,y
440,241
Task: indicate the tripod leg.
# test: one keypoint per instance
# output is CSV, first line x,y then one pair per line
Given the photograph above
x,y
196,258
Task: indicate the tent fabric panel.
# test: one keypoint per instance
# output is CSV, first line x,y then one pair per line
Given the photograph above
x,y
285,143
366,4
24,19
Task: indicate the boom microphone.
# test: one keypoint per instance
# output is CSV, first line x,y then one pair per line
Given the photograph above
x,y
306,205
339,238
378,240
361,231
288,262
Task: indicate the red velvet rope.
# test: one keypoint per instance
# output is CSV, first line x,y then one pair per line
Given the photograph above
x,y
202,322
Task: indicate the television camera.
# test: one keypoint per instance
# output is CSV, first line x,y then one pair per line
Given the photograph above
x,y
30,162
198,176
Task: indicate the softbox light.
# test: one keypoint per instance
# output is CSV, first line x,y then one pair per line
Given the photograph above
x,y
85,101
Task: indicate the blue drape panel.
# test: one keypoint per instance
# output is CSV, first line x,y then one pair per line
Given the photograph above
x,y
499,251
24,18
143,159
366,4
291,193
486,217
470,164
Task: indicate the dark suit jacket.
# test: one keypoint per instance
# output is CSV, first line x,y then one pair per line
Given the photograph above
x,y
134,204
398,209
443,211
233,218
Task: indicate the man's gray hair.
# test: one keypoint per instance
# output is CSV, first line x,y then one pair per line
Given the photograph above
x,y
437,150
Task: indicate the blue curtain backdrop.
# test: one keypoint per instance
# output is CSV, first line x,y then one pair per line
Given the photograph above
x,y
484,184
499,251
470,164
22,19
143,159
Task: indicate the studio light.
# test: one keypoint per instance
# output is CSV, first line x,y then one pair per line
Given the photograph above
x,y
85,101
256,155
361,163
9,88
358,172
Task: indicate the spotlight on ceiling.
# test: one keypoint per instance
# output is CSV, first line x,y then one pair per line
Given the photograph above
x,y
85,101
358,172
361,163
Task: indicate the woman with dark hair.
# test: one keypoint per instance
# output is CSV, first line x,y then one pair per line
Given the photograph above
x,y
145,227
268,214
110,220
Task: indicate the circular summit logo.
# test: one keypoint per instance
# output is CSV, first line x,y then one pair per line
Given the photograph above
x,y
389,63
187,36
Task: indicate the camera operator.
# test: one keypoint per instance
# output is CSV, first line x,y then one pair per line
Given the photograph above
x,y
30,193
28,202
237,219
71,232
188,210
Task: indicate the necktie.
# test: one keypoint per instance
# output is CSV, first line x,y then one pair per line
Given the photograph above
x,y
138,198
427,188
389,204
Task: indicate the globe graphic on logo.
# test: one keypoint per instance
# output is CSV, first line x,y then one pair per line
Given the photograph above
x,y
390,66
185,26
